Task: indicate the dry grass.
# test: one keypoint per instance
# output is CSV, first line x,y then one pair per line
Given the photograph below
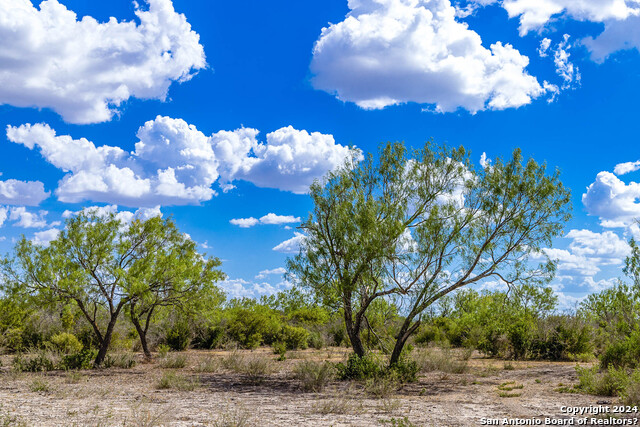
x,y
171,380
443,360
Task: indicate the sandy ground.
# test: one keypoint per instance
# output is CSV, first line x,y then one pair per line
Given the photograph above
x,y
130,397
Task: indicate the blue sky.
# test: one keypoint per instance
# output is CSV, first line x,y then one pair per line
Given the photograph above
x,y
215,111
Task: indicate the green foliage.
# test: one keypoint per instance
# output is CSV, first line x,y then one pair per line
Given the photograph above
x,y
294,337
386,229
624,353
66,343
80,360
41,361
359,368
314,376
405,369
178,337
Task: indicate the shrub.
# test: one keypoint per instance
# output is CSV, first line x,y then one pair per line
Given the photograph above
x,y
174,361
80,360
256,368
12,339
42,361
66,343
210,364
294,337
624,353
607,383
359,368
383,387
406,370
171,380
443,361
314,376
179,336
280,349
120,360
316,340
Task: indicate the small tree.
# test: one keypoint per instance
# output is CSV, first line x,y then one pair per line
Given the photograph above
x,y
103,266
417,226
166,271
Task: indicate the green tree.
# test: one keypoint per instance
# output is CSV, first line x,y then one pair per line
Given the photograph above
x,y
104,266
418,225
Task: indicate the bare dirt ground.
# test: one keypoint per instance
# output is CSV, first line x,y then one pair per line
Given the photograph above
x,y
132,397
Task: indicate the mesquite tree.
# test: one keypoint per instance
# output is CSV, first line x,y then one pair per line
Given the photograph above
x,y
416,226
105,267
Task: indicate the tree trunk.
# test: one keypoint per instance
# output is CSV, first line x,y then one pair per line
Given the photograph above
x,y
353,331
143,336
104,345
401,339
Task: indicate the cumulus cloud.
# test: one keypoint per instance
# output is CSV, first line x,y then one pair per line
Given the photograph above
x,y
627,167
484,160
292,245
3,214
621,20
269,218
612,200
175,164
244,222
25,219
276,271
84,69
389,52
290,160
587,254
29,193
240,288
125,217
43,238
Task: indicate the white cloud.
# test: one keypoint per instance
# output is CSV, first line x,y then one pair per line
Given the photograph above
x,y
125,217
3,215
29,193
83,69
484,161
276,271
25,219
621,20
613,201
43,238
535,14
244,222
270,219
627,167
240,288
292,245
545,43
587,254
564,68
290,160
390,52
176,164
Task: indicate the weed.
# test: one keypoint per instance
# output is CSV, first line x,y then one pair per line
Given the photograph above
x,y
171,380
314,376
443,361
342,405
120,360
390,406
256,368
508,366
507,394
510,385
234,417
74,377
208,365
174,361
399,422
382,387
39,385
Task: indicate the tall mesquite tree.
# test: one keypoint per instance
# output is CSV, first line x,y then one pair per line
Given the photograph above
x,y
416,226
105,267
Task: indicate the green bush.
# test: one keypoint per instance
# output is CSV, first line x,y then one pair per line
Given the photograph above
x,y
66,343
179,336
624,353
294,337
80,360
406,370
359,368
316,340
314,376
12,339
42,361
